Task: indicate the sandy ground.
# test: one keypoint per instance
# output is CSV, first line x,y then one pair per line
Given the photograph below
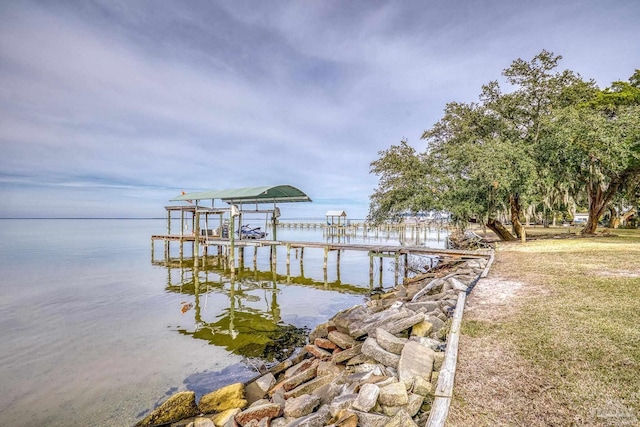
x,y
493,385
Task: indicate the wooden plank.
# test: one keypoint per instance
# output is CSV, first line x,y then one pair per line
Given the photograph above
x,y
439,411
376,250
444,388
488,266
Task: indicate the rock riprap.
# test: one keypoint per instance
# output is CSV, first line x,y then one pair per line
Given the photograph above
x,y
374,364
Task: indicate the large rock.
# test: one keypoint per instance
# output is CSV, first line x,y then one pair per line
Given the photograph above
x,y
203,422
300,406
346,318
390,342
326,344
223,418
304,376
422,386
229,397
401,419
342,402
269,411
372,349
258,389
416,360
345,355
179,406
367,397
414,404
320,331
341,339
457,285
328,368
422,329
317,352
422,307
394,394
309,386
387,317
298,367
367,419
432,343
346,418
327,392
320,418
402,324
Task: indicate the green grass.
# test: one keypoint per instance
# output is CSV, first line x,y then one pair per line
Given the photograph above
x,y
577,326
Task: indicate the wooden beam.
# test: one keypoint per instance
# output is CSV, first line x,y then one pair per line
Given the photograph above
x,y
444,388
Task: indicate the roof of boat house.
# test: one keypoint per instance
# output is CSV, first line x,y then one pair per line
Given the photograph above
x,y
265,194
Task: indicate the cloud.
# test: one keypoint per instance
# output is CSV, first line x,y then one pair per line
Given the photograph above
x,y
142,99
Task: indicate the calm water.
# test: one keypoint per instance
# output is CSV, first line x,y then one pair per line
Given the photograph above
x,y
95,333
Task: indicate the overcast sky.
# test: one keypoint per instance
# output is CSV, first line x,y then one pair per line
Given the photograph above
x,y
111,108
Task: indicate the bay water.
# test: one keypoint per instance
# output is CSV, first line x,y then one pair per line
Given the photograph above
x,y
96,333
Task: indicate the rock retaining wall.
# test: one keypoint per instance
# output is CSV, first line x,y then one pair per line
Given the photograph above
x,y
372,365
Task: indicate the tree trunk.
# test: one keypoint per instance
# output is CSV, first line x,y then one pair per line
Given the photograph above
x,y
514,203
627,215
497,227
614,219
598,201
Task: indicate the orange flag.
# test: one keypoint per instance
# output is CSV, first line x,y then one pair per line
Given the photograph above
x,y
183,193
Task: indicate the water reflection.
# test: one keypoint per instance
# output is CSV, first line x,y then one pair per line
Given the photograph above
x,y
249,323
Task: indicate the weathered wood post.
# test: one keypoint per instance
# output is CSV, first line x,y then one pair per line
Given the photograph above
x,y
288,261
326,256
232,239
397,267
241,258
196,241
255,258
166,242
406,265
370,271
274,259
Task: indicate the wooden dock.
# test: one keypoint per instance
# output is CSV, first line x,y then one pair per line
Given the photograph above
x,y
231,250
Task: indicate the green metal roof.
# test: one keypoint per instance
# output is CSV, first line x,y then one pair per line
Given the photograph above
x,y
265,194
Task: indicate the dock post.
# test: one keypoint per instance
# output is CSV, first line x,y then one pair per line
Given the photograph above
x,y
274,258
397,267
152,249
324,265
255,258
241,257
288,262
370,271
232,241
196,240
326,256
338,266
381,265
406,265
301,262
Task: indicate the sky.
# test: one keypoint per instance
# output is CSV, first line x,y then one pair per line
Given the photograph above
x,y
111,108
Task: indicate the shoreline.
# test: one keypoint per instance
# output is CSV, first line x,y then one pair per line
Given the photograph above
x,y
372,364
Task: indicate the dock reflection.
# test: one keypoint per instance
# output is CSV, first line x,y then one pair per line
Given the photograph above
x,y
247,320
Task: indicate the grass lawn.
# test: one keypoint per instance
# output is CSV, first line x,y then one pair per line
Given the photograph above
x,y
552,336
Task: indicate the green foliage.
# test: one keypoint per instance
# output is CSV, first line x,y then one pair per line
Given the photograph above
x,y
619,94
546,143
404,185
